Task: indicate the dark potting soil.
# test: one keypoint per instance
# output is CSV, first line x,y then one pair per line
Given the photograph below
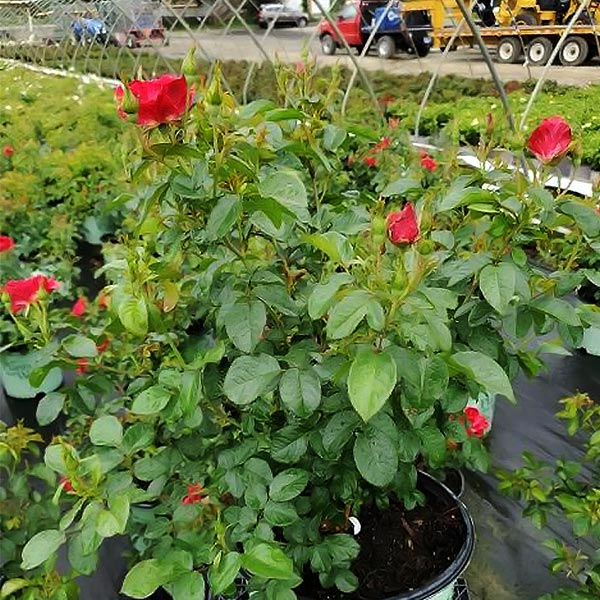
x,y
400,550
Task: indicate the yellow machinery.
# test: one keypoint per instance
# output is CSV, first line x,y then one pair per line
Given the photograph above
x,y
544,12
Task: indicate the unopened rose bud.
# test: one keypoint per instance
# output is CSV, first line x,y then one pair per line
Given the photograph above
x,y
130,103
214,94
189,66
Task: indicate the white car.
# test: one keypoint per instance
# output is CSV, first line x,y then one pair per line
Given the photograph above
x,y
281,14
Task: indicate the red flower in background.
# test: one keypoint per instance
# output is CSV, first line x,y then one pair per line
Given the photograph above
x,y
370,161
8,151
429,163
24,292
382,145
160,100
403,227
6,243
66,485
82,366
550,140
477,424
194,493
103,346
79,307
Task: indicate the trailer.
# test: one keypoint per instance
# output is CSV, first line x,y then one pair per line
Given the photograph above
x,y
519,39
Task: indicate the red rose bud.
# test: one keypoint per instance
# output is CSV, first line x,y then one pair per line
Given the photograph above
x,y
382,145
79,307
477,423
6,243
403,227
8,151
160,100
66,485
103,346
370,161
24,292
550,140
82,366
195,494
429,163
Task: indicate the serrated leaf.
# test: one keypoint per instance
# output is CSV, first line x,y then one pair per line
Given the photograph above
x,y
286,187
151,401
345,315
245,323
49,407
497,284
371,381
223,217
79,346
323,294
249,377
106,431
223,572
288,484
300,391
40,547
268,561
485,371
133,315
375,456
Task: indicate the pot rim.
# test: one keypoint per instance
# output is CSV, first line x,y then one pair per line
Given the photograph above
x,y
460,562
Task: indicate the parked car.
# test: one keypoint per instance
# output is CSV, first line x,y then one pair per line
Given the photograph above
x,y
281,14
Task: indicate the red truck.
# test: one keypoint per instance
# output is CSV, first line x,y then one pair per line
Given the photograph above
x,y
394,32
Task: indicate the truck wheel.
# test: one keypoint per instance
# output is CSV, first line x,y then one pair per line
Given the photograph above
x,y
509,50
539,51
386,48
574,51
328,45
302,22
526,17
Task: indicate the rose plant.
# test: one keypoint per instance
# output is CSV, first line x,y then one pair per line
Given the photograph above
x,y
292,334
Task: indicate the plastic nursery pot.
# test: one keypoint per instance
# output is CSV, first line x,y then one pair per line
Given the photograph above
x,y
443,585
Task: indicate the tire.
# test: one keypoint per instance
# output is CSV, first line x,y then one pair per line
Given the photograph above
x,y
509,51
131,42
302,22
328,45
386,47
574,51
526,17
421,47
539,51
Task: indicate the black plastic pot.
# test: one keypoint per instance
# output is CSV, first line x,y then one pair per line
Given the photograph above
x,y
450,575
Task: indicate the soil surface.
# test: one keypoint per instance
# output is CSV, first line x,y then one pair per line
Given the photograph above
x,y
400,550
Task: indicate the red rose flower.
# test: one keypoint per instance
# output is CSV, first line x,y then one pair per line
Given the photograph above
x,y
429,163
8,151
66,485
79,307
477,423
195,492
82,366
403,227
103,346
370,161
6,243
24,292
382,145
550,140
160,100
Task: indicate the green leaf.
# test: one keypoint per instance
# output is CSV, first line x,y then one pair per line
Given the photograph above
x,y
145,578
400,187
107,525
345,316
250,377
375,456
40,547
300,391
106,431
189,586
561,310
17,368
268,561
80,346
323,294
497,285
245,323
288,484
339,429
49,407
280,514
591,340
223,217
289,444
13,585
336,246
286,187
371,380
333,137
223,572
459,193
133,314
584,214
485,371
119,507
151,401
